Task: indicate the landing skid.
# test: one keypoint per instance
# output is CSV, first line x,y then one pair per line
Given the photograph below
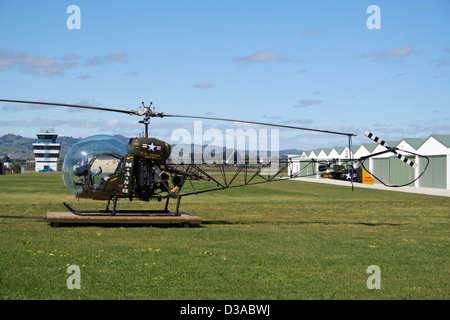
x,y
122,213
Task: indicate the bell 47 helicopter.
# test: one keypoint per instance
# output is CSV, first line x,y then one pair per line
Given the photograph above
x,y
104,167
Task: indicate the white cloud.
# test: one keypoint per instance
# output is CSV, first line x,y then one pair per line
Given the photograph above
x,y
117,57
203,85
399,52
23,106
109,58
401,74
439,76
307,103
32,64
112,123
291,122
297,122
43,66
132,73
101,125
263,56
84,76
390,54
440,62
71,57
271,117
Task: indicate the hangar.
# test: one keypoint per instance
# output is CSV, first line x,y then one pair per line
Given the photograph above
x,y
386,166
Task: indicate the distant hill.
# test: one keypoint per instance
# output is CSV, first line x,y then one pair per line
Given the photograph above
x,y
291,151
17,147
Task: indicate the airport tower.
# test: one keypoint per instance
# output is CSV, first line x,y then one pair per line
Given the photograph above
x,y
46,150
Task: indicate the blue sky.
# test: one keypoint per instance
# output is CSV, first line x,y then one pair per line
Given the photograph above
x,y
303,63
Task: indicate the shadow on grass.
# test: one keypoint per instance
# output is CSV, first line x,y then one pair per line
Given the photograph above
x,y
203,223
223,222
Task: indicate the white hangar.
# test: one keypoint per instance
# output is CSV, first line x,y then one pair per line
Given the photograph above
x,y
386,166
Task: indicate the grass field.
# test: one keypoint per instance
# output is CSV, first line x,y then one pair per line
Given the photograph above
x,y
281,240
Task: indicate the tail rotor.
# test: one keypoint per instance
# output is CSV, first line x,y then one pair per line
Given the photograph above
x,y
395,151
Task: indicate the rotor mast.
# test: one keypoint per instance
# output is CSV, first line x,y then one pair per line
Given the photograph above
x,y
146,111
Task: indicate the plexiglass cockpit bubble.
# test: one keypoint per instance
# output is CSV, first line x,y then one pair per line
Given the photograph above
x,y
76,162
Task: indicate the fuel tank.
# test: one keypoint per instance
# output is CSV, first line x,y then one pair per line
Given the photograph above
x,y
149,148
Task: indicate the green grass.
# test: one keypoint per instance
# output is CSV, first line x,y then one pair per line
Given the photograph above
x,y
282,240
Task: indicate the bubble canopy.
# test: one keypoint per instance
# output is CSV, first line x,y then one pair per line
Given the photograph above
x,y
83,152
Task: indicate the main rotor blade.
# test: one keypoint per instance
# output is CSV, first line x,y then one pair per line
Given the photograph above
x,y
69,105
259,123
148,113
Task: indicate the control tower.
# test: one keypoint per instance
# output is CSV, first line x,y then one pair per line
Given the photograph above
x,y
46,150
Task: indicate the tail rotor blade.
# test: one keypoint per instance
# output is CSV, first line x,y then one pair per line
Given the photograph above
x,y
376,139
384,144
406,160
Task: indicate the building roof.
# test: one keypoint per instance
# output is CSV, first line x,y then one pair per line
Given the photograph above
x,y
339,149
393,144
369,146
442,138
415,143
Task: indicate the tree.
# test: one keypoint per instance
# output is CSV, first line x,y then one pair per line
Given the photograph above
x,y
15,168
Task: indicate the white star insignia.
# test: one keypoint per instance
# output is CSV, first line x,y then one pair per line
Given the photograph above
x,y
151,147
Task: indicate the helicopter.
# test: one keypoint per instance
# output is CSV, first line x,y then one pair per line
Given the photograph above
x,y
104,167
354,169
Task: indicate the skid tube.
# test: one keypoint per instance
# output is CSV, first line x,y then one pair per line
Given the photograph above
x,y
128,213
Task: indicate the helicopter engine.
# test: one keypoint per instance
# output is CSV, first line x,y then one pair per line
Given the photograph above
x,y
150,179
149,154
